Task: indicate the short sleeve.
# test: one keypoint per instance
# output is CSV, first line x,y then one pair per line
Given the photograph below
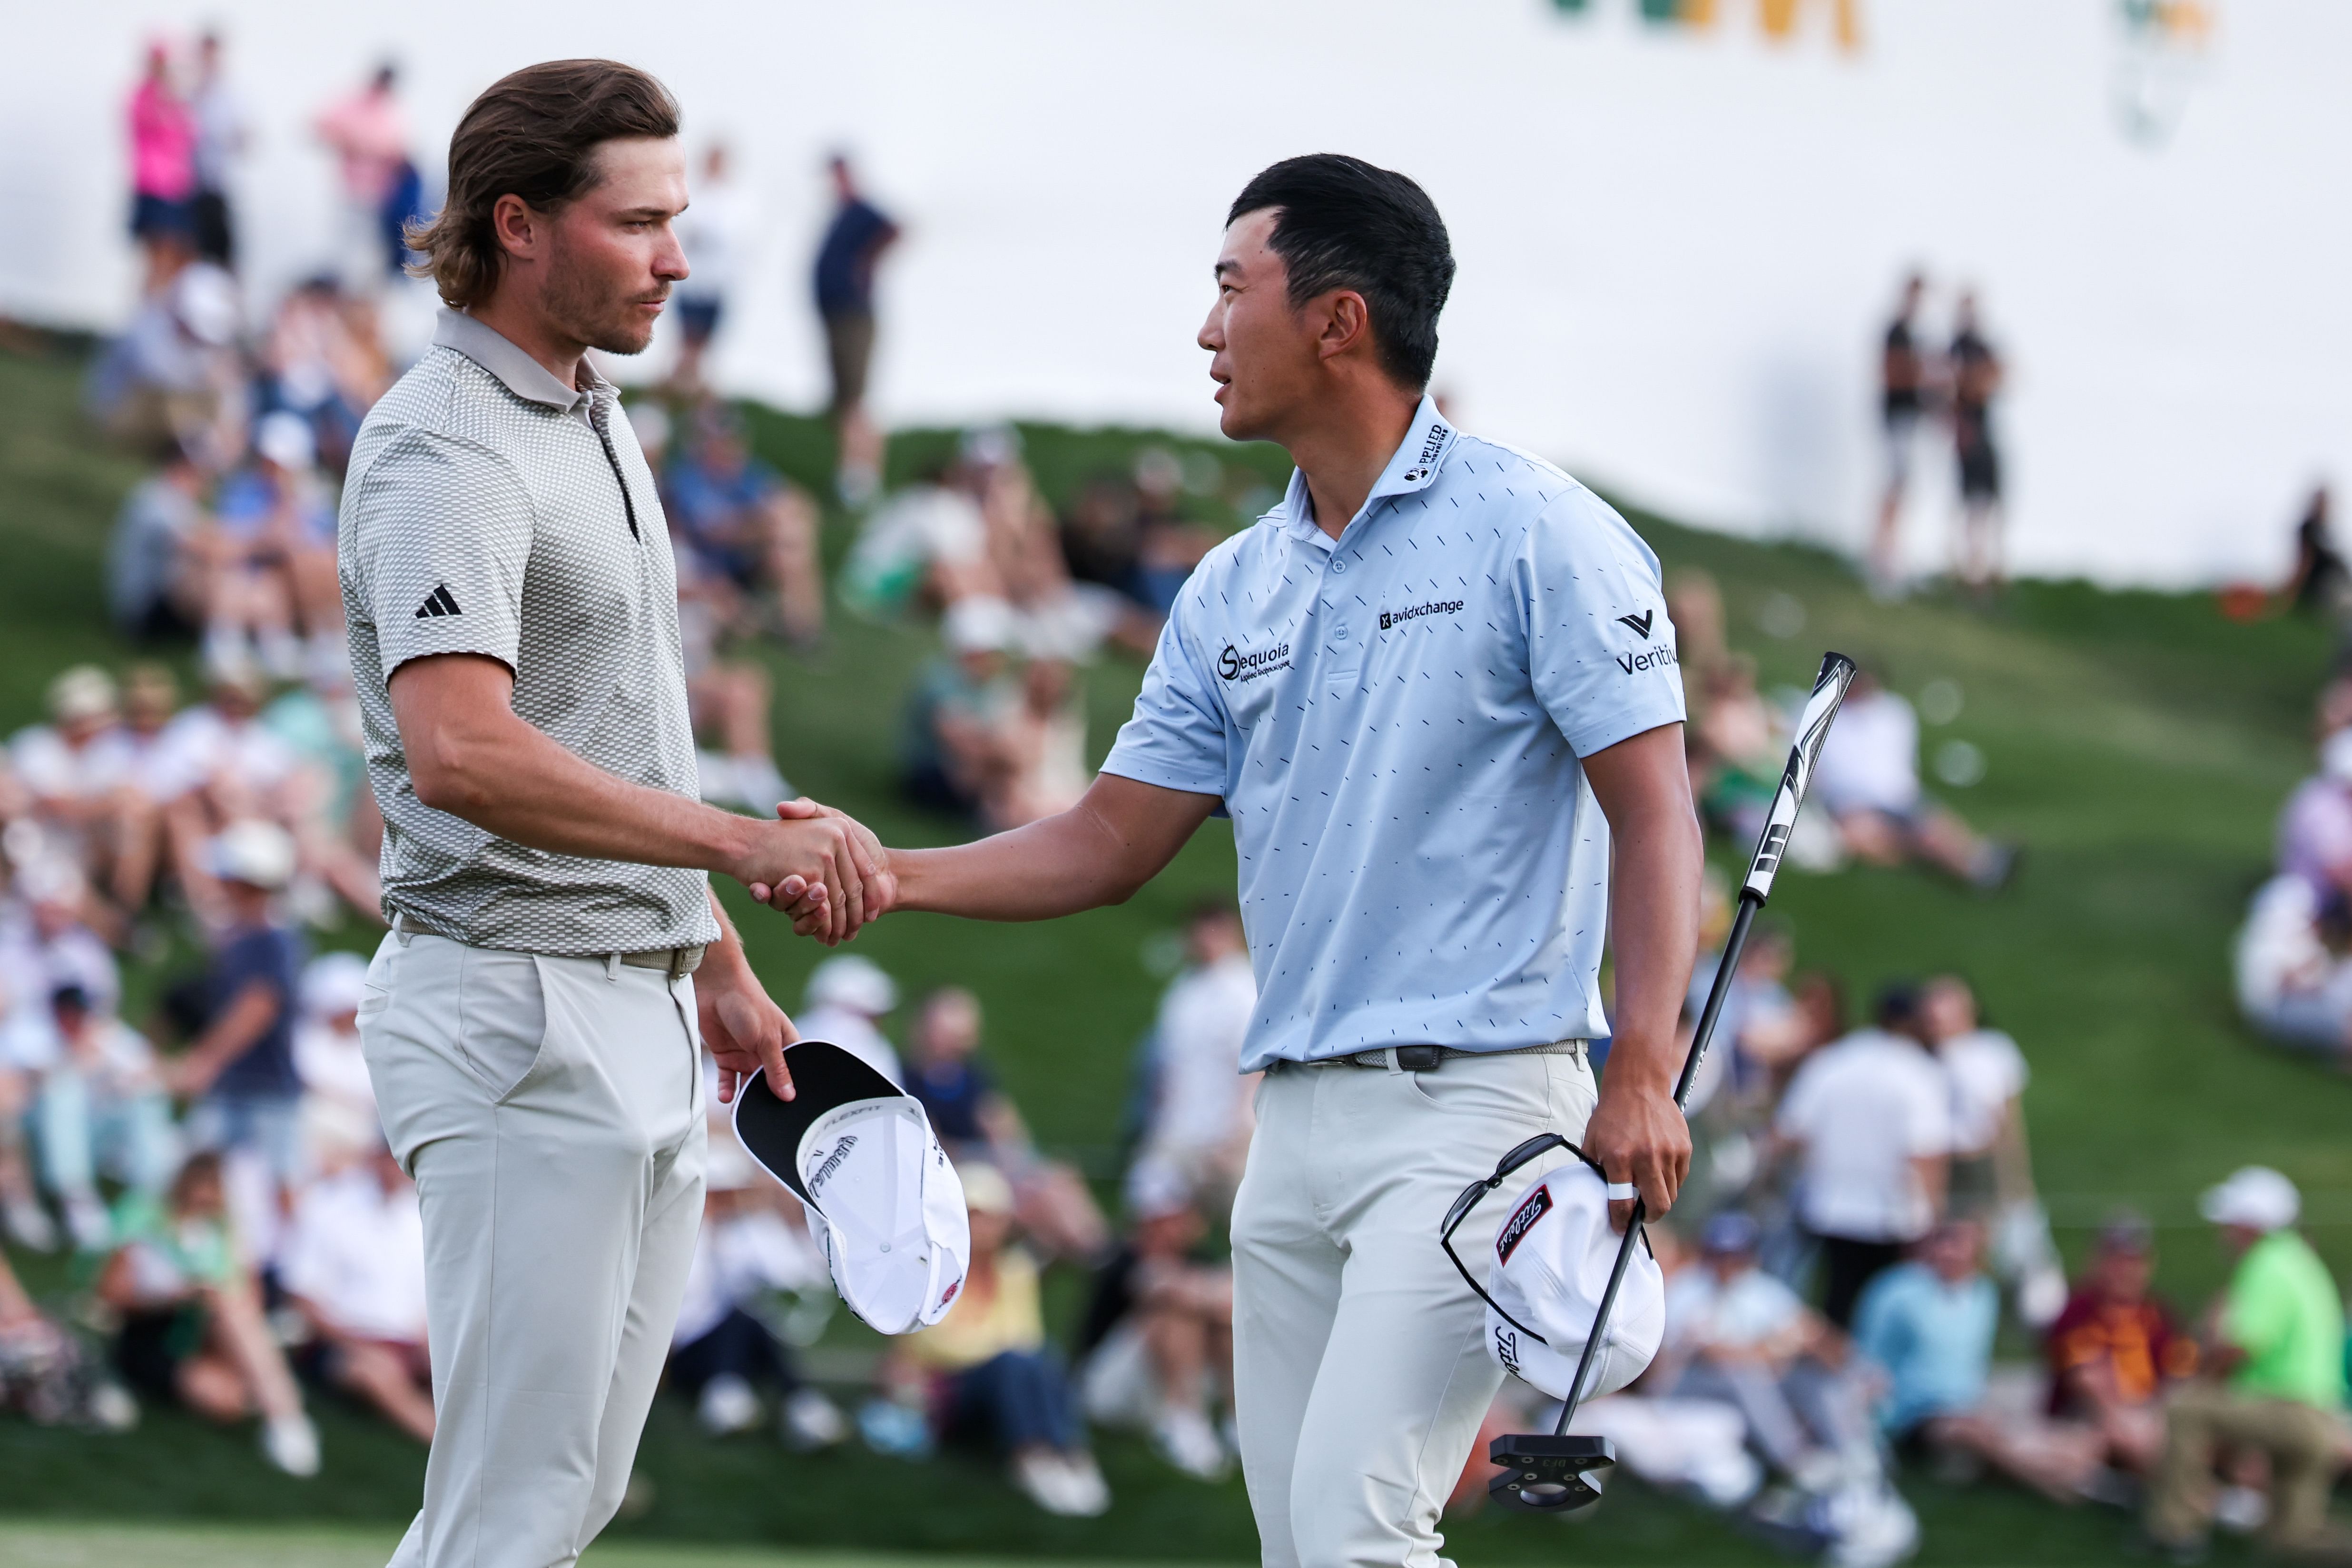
x,y
1930,1130
1176,738
441,534
1600,651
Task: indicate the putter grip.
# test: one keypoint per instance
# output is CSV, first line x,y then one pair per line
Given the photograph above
x,y
1812,729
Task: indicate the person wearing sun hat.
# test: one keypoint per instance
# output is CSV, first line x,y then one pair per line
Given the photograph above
x,y
2272,1379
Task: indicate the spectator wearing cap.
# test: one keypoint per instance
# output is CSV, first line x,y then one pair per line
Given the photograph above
x,y
1737,1335
847,1000
78,770
239,1070
337,1096
988,1372
1869,1119
1156,1348
354,1265
1199,1124
1928,1324
2272,1378
2114,1350
155,573
955,756
976,1121
101,1109
722,1354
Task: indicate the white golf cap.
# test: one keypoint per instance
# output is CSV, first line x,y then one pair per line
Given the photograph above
x,y
258,854
2256,1197
852,982
83,692
883,1201
1552,1259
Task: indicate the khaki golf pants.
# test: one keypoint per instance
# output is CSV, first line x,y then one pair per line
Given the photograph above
x,y
2301,1440
1360,1368
550,1109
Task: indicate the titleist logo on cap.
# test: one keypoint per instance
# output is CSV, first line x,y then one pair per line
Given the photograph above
x,y
1523,1220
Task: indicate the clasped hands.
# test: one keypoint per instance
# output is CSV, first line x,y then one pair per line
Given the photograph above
x,y
822,867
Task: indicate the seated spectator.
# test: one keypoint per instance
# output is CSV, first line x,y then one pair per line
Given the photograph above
x,y
1992,1166
1928,1325
847,1000
354,1265
2271,1379
1102,536
155,581
102,1110
1199,1121
957,759
2314,827
84,796
1044,745
240,1071
1736,748
271,554
1156,1349
975,1122
1868,778
722,1353
1762,1031
988,1372
337,1096
337,827
1737,1335
175,376
1869,1120
929,539
2294,981
193,1329
2115,1352
744,524
324,362
1168,547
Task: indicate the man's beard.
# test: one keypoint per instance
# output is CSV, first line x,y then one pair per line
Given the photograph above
x,y
590,313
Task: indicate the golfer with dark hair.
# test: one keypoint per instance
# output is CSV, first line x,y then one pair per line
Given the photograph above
x,y
533,1023
1433,688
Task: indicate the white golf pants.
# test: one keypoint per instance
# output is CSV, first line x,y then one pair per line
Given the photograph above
x,y
551,1110
1361,1367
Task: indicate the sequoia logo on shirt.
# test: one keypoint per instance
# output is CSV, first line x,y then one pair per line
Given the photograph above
x,y
1434,607
1235,665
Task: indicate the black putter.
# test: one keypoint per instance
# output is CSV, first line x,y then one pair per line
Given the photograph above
x,y
1546,1471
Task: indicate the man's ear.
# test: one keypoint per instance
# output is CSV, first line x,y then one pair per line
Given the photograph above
x,y
1347,323
518,228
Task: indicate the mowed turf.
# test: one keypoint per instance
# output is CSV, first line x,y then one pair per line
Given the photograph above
x,y
2138,743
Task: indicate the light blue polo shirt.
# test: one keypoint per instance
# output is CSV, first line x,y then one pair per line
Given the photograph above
x,y
1393,722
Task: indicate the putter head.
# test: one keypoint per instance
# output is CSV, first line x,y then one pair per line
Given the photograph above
x,y
1544,1474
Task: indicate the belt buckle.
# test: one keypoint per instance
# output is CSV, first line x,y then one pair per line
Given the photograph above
x,y
1419,1059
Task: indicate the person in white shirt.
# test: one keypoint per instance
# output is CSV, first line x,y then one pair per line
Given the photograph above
x,y
1739,1336
78,770
847,1000
354,1265
1869,1119
1868,779
712,231
2292,981
1200,1122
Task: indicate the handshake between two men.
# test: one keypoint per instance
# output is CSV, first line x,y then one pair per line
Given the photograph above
x,y
822,867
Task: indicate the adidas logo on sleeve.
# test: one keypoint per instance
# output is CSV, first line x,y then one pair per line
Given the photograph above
x,y
440,602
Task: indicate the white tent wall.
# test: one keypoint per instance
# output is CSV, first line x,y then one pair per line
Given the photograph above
x,y
1677,245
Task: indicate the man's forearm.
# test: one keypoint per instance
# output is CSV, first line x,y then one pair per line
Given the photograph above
x,y
1099,852
1653,926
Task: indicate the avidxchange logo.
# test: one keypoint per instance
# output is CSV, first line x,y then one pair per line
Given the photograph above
x,y
1434,607
1235,665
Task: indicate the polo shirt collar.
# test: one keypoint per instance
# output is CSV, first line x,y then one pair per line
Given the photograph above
x,y
1412,469
522,376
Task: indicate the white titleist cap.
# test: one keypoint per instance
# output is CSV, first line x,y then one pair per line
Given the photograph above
x,y
1552,1259
882,1200
2256,1197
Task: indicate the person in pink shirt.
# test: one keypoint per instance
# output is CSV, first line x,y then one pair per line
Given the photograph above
x,y
163,165
369,133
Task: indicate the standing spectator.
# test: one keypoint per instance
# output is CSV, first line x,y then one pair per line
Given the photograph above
x,y
192,1329
1928,1325
991,1375
1870,1121
1976,374
853,242
1157,1344
220,142
367,132
240,1070
1200,1122
2115,1352
713,231
1902,398
1868,778
354,1268
977,1122
101,1109
847,1000
2272,1377
2321,584
162,168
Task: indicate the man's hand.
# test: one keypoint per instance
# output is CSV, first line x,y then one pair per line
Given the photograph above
x,y
852,859
1638,1135
745,1031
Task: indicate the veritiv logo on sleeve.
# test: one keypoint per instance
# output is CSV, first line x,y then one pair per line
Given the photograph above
x,y
1649,657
